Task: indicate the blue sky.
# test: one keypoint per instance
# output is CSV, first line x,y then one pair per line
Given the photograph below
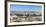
x,y
15,7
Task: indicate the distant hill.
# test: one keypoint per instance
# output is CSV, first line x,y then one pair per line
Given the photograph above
x,y
26,12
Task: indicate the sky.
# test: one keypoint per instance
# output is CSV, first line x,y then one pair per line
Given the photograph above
x,y
16,7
